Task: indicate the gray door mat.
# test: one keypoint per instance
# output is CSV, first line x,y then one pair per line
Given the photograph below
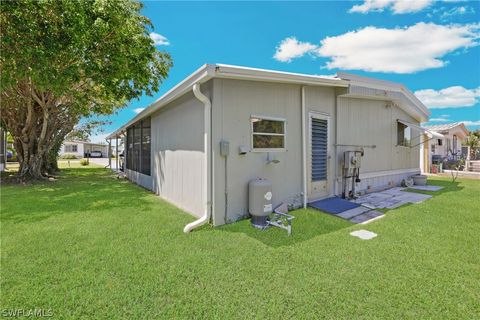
x,y
364,217
426,188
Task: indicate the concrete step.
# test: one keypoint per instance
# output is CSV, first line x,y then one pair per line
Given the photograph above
x,y
364,217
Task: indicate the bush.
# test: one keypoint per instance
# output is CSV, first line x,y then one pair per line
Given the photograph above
x,y
68,156
84,162
454,165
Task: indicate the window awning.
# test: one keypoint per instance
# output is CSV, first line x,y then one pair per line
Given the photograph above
x,y
429,133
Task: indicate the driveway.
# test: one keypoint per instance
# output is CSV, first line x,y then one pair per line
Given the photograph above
x,y
104,162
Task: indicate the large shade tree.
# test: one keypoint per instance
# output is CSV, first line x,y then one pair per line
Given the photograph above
x,y
62,60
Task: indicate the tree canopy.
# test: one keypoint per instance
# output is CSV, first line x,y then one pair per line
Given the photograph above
x,y
62,60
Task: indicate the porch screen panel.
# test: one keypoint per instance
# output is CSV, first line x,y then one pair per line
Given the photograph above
x,y
146,149
137,146
319,149
130,148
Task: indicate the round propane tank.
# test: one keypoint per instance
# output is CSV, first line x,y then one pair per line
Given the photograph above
x,y
260,201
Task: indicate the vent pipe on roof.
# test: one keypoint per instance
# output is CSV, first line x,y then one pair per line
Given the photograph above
x,y
207,152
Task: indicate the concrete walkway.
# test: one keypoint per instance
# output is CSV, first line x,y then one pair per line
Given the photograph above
x,y
103,162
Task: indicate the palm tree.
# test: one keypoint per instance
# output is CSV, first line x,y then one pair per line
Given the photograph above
x,y
473,142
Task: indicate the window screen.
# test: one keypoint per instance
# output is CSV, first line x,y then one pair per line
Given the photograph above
x,y
146,152
137,144
130,148
139,147
267,133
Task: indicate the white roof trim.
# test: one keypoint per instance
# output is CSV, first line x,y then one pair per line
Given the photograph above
x,y
246,73
429,133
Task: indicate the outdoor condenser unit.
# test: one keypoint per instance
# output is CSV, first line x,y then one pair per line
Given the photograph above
x,y
352,161
260,201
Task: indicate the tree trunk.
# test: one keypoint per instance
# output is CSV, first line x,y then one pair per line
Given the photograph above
x,y
38,122
31,163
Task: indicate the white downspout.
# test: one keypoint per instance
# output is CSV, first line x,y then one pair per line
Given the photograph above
x,y
304,150
206,165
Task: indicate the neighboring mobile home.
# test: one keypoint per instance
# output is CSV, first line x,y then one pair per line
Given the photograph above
x,y
450,147
82,149
200,144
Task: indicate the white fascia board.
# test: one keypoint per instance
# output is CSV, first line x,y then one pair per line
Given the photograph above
x,y
203,74
245,73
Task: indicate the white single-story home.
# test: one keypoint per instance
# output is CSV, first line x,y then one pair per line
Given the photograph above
x,y
82,149
450,146
202,142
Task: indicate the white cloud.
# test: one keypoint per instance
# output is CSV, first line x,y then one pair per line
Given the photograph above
x,y
159,40
471,123
456,11
400,50
138,110
451,97
441,118
396,6
290,48
437,120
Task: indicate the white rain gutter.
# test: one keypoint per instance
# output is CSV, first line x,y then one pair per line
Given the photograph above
x,y
206,165
304,150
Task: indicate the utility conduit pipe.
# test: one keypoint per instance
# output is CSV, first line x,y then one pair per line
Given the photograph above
x,y
207,152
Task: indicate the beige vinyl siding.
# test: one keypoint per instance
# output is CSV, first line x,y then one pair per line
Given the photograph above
x,y
178,152
374,122
234,102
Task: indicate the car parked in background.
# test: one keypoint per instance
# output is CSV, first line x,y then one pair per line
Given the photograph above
x,y
96,154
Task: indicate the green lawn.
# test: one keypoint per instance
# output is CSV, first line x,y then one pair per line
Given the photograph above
x,y
91,246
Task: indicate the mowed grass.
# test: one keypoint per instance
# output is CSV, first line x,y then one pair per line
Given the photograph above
x,y
91,246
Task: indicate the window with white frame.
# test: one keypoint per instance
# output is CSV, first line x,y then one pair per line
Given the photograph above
x,y
71,148
268,133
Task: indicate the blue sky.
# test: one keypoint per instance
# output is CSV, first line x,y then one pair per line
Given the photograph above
x,y
430,46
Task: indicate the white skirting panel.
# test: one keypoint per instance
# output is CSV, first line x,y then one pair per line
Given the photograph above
x,y
375,181
140,179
